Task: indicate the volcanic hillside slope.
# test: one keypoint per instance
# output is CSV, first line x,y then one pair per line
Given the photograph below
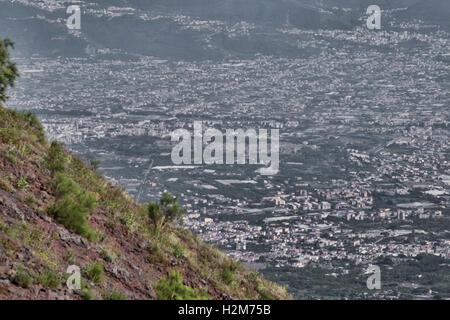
x,y
44,194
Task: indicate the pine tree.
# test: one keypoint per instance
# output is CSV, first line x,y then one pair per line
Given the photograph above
x,y
167,210
8,69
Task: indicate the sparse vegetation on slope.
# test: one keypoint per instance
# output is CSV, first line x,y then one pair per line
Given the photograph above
x,y
73,206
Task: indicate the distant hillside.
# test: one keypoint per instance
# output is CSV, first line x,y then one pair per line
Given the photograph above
x,y
56,211
431,11
194,29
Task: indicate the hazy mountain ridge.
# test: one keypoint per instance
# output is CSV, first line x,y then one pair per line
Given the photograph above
x,y
196,29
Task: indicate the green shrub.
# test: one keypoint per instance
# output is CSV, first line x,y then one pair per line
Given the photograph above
x,y
22,183
87,294
5,185
33,238
94,164
33,122
56,158
172,288
156,254
73,206
105,255
264,293
10,136
167,210
49,278
114,295
253,276
229,270
235,266
8,69
95,272
99,235
69,256
7,246
178,251
22,278
30,200
11,158
227,276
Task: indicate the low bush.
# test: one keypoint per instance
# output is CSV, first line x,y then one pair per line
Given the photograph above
x,y
177,251
56,158
30,200
165,211
35,124
22,278
49,278
94,163
172,288
95,272
73,206
5,185
108,257
229,270
114,295
22,183
264,293
87,294
227,276
69,256
156,254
